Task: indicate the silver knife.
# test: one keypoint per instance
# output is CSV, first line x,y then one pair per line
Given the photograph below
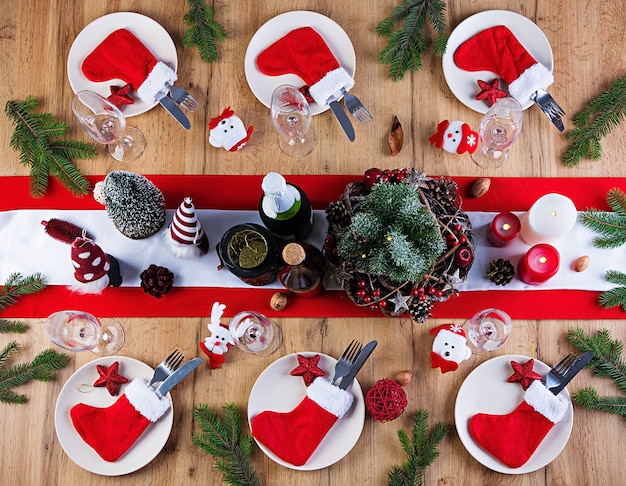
x,y
358,364
175,111
343,119
578,365
175,378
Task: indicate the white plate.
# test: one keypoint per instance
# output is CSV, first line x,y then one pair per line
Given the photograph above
x,y
275,389
148,31
336,38
464,84
485,390
141,453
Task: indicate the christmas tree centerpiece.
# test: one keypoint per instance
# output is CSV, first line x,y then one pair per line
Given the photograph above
x,y
400,241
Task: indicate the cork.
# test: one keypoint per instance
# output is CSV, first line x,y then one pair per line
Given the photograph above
x,y
293,254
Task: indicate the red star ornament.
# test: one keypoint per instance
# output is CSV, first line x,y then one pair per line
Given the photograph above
x,y
523,373
120,95
308,368
110,377
490,91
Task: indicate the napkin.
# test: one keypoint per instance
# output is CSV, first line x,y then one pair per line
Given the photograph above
x,y
497,50
294,436
513,438
111,431
123,56
305,53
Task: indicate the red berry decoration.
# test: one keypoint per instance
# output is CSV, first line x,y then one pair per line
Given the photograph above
x,y
386,400
110,377
308,368
372,176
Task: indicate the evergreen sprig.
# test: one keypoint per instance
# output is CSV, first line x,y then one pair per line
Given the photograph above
x,y
17,285
204,31
615,296
7,326
607,363
223,439
38,138
393,234
421,450
41,368
602,114
406,45
611,226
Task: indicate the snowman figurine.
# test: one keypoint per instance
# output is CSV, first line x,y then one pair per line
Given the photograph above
x,y
455,137
228,131
449,347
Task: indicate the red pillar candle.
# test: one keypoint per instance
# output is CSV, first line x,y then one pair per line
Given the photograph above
x,y
539,264
504,228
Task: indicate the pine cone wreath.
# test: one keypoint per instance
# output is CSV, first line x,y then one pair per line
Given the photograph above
x,y
501,271
156,280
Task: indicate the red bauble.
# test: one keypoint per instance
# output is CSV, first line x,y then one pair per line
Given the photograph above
x,y
386,400
372,176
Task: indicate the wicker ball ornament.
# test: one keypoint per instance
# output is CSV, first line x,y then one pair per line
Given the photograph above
x,y
386,400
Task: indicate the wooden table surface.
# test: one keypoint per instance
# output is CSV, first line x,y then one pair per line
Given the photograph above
x,y
587,42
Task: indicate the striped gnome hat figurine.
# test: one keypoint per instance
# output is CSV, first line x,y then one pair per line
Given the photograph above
x,y
91,267
185,236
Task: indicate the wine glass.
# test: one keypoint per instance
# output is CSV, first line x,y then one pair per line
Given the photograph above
x,y
106,124
80,331
255,333
489,329
499,129
291,116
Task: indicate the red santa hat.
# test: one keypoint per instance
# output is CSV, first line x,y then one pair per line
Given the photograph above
x,y
186,236
452,333
455,136
304,52
497,50
123,56
91,266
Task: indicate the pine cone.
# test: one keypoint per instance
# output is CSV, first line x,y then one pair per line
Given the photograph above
x,y
501,271
420,310
337,214
156,280
444,191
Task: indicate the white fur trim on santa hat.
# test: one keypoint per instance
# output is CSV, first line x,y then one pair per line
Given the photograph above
x,y
535,77
145,400
94,287
331,85
330,397
153,88
552,407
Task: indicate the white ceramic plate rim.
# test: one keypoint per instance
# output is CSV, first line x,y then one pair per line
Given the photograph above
x,y
336,38
147,30
141,453
464,84
275,389
485,390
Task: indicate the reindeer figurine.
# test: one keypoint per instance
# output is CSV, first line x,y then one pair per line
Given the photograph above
x,y
220,339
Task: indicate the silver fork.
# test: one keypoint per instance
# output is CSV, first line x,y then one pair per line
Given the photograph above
x,y
167,367
558,371
356,108
184,99
550,107
347,359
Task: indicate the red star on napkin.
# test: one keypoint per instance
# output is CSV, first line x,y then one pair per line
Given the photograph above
x,y
490,91
524,374
308,368
110,377
120,95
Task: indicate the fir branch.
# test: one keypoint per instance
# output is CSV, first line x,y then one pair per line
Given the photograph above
x,y
223,439
607,363
602,114
406,45
616,296
34,137
41,369
17,285
204,31
421,450
611,226
12,326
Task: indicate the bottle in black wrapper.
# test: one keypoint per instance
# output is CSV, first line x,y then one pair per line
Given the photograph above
x,y
285,209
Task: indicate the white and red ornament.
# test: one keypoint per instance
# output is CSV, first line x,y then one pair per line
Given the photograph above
x,y
449,347
185,236
455,137
228,131
216,345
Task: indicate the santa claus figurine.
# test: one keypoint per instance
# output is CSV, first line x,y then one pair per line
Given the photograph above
x,y
449,347
455,137
228,131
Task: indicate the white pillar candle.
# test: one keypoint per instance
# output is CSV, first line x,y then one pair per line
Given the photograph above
x,y
549,219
